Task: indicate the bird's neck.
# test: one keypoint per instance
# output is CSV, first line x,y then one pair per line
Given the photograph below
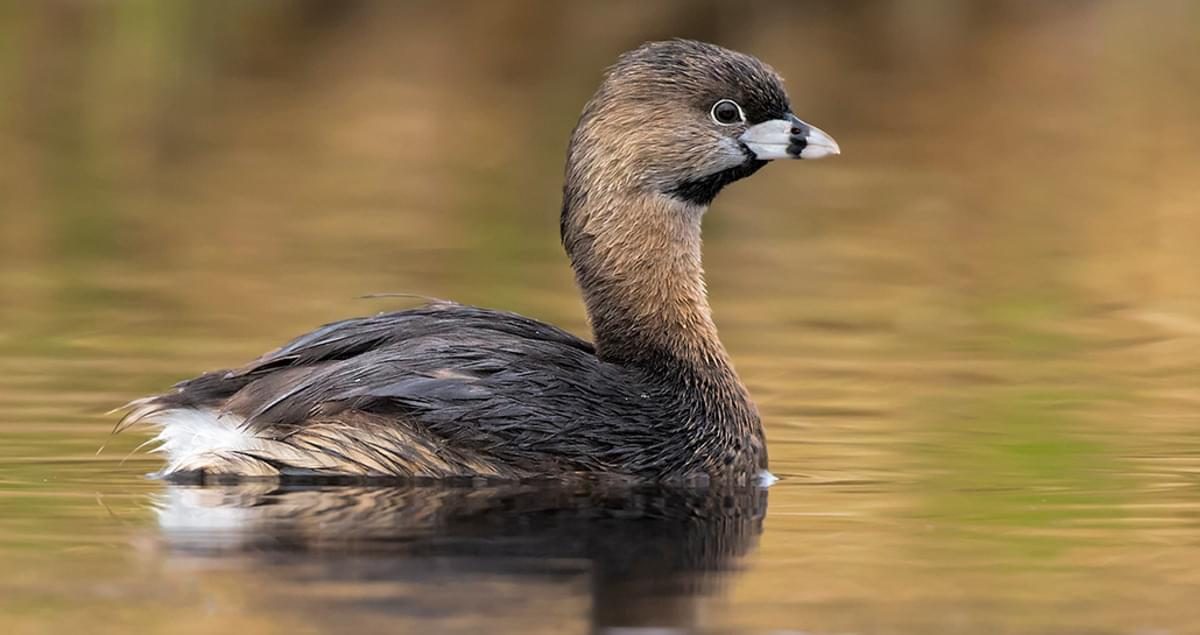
x,y
637,261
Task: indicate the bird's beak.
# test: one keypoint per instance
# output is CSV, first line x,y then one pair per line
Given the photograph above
x,y
788,138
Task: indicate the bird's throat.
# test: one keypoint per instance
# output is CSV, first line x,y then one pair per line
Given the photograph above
x,y
637,260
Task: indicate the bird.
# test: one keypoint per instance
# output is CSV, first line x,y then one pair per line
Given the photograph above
x,y
448,391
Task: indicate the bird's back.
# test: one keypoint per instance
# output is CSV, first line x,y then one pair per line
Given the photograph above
x,y
439,391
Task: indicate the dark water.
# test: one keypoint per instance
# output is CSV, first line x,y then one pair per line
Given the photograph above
x,y
974,337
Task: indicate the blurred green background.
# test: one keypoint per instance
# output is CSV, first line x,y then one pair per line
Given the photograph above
x,y
974,337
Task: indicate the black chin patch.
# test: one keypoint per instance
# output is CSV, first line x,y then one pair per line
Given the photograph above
x,y
702,191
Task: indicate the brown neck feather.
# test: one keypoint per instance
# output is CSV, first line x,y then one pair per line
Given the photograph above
x,y
637,261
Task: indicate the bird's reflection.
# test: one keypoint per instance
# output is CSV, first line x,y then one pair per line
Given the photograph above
x,y
638,555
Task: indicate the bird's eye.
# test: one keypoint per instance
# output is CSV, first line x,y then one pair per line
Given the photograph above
x,y
726,112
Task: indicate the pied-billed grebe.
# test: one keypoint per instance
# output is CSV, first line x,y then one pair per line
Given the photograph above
x,y
448,390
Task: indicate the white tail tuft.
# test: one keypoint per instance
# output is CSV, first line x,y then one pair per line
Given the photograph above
x,y
186,435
